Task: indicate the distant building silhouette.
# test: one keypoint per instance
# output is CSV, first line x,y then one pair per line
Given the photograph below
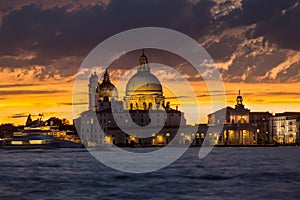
x,y
29,120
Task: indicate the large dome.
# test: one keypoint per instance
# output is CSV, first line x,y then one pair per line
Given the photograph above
x,y
143,82
143,90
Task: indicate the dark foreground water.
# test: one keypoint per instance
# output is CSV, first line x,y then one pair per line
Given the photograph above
x,y
226,173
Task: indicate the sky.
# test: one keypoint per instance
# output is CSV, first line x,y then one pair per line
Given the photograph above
x,y
255,44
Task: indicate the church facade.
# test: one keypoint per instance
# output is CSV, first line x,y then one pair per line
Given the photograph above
x,y
237,129
144,95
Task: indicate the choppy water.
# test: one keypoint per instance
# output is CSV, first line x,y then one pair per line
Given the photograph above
x,y
226,173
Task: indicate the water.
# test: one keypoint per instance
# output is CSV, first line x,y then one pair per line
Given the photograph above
x,y
226,173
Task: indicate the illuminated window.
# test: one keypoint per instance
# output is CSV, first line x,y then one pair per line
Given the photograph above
x,y
17,142
242,120
36,142
202,135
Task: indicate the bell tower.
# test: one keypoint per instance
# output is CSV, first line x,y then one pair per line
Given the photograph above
x,y
239,102
93,83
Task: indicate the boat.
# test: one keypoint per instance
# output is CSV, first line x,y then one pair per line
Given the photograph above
x,y
29,142
37,137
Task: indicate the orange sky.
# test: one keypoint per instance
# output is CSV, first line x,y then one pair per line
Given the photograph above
x,y
54,98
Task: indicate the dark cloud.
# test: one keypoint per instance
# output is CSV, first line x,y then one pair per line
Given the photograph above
x,y
59,35
282,27
19,115
55,34
179,97
275,20
283,93
29,92
70,103
25,115
223,49
16,85
291,74
255,66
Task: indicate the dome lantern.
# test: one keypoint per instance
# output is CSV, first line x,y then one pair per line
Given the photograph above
x,y
239,102
143,63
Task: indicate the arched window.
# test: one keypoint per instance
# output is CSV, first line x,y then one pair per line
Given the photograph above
x,y
242,120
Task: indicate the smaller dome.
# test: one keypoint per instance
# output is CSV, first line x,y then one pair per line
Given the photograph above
x,y
106,88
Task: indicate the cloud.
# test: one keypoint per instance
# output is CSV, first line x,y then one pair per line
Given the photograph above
x,y
25,115
251,41
16,85
29,92
70,103
283,93
279,24
179,97
19,115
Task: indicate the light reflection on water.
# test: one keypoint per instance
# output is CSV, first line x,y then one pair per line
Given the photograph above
x,y
226,173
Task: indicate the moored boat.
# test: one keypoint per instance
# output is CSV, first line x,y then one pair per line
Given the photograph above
x,y
37,137
29,142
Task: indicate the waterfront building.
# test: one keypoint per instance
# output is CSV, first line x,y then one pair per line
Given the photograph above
x,y
237,129
261,121
143,97
285,128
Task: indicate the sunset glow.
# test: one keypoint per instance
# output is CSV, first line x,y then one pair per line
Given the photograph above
x,y
20,99
39,57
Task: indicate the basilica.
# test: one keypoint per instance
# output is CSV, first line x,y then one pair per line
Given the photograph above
x,y
111,119
144,95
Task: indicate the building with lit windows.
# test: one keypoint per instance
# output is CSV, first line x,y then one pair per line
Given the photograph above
x,y
261,121
143,96
285,128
